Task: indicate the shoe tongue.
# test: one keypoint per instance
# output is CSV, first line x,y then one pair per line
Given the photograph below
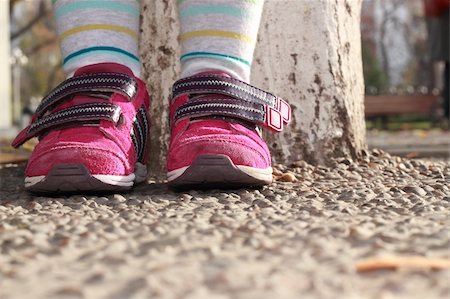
x,y
93,69
214,73
103,68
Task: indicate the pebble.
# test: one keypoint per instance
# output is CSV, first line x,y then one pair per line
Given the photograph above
x,y
277,172
102,200
263,203
287,177
300,164
353,176
428,188
360,232
414,189
118,198
345,161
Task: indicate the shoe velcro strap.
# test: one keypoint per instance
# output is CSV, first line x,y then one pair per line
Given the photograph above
x,y
221,106
88,83
217,84
239,100
80,114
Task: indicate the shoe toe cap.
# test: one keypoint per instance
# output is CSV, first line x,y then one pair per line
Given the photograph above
x,y
95,160
243,147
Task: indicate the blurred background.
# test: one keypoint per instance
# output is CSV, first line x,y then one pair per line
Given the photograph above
x,y
405,59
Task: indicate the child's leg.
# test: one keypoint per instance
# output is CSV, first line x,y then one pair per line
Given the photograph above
x,y
93,127
219,35
215,113
97,31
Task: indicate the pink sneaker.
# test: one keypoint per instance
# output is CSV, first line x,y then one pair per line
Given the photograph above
x,y
93,131
215,139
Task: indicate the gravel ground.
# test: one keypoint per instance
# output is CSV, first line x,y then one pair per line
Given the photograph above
x,y
301,237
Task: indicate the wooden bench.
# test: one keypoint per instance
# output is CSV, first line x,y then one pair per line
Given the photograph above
x,y
390,105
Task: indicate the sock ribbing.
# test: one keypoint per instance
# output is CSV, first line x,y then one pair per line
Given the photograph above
x,y
96,31
219,35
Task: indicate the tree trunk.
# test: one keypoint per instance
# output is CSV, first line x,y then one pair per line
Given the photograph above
x,y
160,52
308,52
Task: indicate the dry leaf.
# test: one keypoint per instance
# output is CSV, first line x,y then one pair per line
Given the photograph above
x,y
412,155
12,158
392,263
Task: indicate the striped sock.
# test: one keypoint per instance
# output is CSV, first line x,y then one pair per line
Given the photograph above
x,y
218,35
97,31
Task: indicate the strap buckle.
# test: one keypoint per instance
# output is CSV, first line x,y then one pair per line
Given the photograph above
x,y
277,117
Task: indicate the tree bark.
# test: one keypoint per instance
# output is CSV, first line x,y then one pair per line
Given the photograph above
x,y
308,52
160,52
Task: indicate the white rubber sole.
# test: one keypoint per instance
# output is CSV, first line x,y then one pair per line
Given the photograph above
x,y
258,173
76,177
218,171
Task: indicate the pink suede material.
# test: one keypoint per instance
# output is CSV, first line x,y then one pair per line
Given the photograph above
x,y
105,148
97,160
189,139
242,145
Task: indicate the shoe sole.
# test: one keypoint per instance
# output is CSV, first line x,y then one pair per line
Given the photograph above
x,y
218,171
75,178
